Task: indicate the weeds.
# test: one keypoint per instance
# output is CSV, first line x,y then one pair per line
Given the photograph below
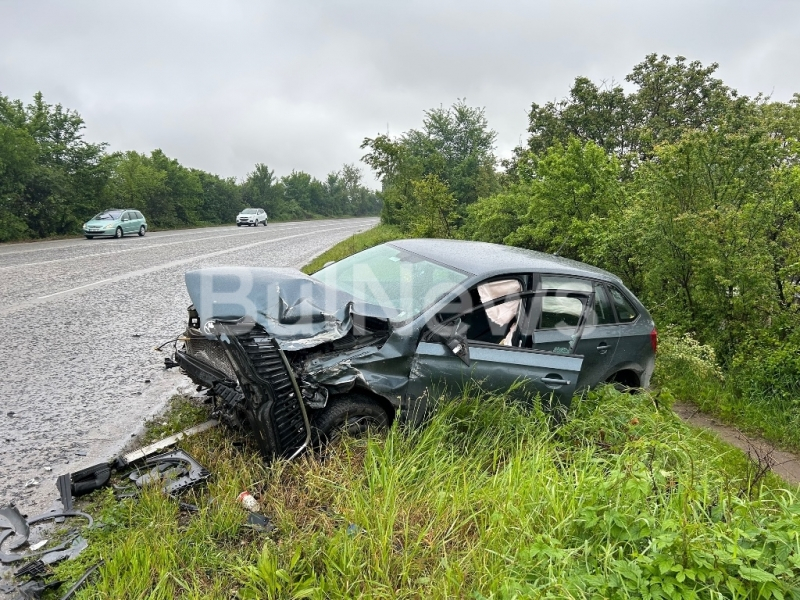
x,y
355,243
688,370
485,501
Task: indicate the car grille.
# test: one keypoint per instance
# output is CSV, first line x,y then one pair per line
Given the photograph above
x,y
274,406
210,351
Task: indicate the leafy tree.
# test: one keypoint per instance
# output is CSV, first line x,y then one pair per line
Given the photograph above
x,y
672,96
455,145
568,201
221,198
66,175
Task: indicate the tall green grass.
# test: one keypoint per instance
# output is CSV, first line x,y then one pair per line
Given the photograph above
x,y
485,501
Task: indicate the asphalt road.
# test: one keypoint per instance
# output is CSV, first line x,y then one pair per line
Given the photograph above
x,y
80,320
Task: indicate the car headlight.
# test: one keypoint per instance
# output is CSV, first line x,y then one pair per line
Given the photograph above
x,y
109,226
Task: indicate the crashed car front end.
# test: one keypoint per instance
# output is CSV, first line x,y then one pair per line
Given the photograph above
x,y
271,368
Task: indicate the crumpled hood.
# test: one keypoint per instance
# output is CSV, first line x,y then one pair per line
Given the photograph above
x,y
297,310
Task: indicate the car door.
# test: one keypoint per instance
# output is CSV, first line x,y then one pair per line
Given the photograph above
x,y
128,222
448,357
555,322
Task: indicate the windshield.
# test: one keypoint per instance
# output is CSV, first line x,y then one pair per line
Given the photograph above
x,y
249,211
109,215
388,277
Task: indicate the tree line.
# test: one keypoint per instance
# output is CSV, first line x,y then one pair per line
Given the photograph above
x,y
52,180
686,189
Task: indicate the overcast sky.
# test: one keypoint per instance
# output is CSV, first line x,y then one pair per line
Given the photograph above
x,y
297,85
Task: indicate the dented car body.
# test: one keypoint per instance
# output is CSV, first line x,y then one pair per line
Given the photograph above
x,y
372,338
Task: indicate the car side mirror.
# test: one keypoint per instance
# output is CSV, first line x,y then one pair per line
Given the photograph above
x,y
453,336
457,344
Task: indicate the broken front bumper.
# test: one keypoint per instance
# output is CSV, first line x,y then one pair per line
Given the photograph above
x,y
267,395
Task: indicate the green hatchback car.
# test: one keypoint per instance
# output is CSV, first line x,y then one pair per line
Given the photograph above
x,y
115,222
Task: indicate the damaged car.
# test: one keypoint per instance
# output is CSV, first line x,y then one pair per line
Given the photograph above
x,y
375,337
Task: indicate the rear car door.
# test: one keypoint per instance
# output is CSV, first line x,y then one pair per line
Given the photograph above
x,y
556,321
457,351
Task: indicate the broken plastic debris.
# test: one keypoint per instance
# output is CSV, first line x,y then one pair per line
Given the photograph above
x,y
78,545
258,522
31,483
177,470
163,444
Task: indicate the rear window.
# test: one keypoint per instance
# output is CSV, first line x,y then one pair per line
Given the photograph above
x,y
625,312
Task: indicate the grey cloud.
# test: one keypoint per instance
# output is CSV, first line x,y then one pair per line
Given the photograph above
x,y
221,86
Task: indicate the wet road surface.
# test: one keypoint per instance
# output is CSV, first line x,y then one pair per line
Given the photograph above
x,y
80,320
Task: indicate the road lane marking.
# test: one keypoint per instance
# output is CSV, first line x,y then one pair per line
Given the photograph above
x,y
45,245
176,263
140,248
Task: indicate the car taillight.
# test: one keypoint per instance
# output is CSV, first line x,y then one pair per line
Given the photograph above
x,y
654,340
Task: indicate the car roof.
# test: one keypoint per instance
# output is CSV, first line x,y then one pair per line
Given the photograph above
x,y
484,259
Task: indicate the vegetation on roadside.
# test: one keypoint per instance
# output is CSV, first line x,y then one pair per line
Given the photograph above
x,y
52,181
355,243
485,501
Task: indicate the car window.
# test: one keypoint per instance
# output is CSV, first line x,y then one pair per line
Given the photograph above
x,y
395,279
138,214
625,312
109,215
553,307
558,282
494,324
559,312
603,313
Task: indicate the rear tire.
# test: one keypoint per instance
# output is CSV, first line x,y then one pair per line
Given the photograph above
x,y
353,414
118,232
142,231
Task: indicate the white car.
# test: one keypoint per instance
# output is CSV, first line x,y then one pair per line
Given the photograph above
x,y
252,216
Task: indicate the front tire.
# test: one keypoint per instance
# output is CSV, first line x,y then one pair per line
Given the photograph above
x,y
118,232
353,414
142,231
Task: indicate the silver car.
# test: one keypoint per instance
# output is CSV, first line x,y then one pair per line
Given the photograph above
x,y
375,336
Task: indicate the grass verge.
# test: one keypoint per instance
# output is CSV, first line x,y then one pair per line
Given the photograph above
x,y
486,501
687,370
355,243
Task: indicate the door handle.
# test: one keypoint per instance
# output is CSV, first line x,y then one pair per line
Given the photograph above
x,y
555,381
602,347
